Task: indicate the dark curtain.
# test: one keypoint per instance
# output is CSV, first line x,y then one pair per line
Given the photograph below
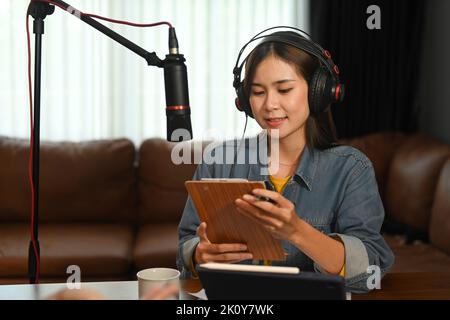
x,y
380,68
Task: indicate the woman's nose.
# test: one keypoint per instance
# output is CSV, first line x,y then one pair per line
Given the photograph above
x,y
272,101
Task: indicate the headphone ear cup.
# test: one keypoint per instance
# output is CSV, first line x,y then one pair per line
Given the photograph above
x,y
242,103
320,90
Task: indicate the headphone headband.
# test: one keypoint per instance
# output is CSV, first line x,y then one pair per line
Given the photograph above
x,y
259,36
316,50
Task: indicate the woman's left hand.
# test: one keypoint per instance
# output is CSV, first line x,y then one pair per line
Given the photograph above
x,y
278,217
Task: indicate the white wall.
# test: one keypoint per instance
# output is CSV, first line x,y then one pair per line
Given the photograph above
x,y
92,88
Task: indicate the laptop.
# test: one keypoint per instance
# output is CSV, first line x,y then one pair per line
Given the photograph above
x,y
223,281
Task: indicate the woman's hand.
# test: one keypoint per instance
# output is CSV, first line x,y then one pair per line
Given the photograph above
x,y
278,217
213,252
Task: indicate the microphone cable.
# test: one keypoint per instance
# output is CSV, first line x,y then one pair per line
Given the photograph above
x,y
30,158
133,24
242,142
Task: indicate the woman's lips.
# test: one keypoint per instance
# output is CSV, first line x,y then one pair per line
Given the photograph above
x,y
275,122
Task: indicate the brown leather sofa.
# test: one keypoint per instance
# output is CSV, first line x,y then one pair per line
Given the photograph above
x,y
113,210
413,175
99,210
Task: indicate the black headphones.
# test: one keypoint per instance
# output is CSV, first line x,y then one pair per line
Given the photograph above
x,y
324,86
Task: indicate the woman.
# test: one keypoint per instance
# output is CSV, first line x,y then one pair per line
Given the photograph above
x,y
325,205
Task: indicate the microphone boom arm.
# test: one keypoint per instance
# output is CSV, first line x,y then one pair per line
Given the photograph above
x,y
151,57
39,10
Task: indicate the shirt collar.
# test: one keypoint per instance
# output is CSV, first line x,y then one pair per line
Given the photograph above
x,y
305,171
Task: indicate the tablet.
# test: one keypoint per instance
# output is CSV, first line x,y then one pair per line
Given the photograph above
x,y
214,200
267,283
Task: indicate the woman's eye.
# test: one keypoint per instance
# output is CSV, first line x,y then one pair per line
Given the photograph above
x,y
285,90
258,93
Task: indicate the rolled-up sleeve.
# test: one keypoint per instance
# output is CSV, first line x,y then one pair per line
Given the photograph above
x,y
187,230
358,225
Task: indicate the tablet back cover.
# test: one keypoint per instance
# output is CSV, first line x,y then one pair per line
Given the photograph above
x,y
214,201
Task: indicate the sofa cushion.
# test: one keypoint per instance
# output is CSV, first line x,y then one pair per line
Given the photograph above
x,y
440,213
162,194
412,181
380,149
417,256
156,246
98,249
85,181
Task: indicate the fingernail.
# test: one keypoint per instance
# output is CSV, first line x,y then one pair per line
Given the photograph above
x,y
255,191
247,197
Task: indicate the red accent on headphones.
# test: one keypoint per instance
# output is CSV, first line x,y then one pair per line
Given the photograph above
x,y
327,54
238,104
336,69
338,93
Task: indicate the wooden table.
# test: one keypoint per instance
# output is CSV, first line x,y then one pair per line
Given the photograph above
x,y
394,286
411,286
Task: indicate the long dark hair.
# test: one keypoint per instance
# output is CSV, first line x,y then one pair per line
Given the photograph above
x,y
320,130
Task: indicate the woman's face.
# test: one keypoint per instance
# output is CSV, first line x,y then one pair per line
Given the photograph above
x,y
279,98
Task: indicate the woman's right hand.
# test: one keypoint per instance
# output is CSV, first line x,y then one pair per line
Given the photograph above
x,y
214,252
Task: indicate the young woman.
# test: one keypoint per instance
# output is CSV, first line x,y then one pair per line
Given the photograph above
x,y
325,206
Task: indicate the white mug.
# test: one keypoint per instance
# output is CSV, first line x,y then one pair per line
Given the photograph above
x,y
157,277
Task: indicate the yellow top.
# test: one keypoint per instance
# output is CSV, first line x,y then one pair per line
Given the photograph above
x,y
280,184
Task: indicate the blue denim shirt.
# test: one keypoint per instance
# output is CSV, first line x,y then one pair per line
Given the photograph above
x,y
334,190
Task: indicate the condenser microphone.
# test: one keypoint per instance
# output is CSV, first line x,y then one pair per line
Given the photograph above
x,y
178,111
